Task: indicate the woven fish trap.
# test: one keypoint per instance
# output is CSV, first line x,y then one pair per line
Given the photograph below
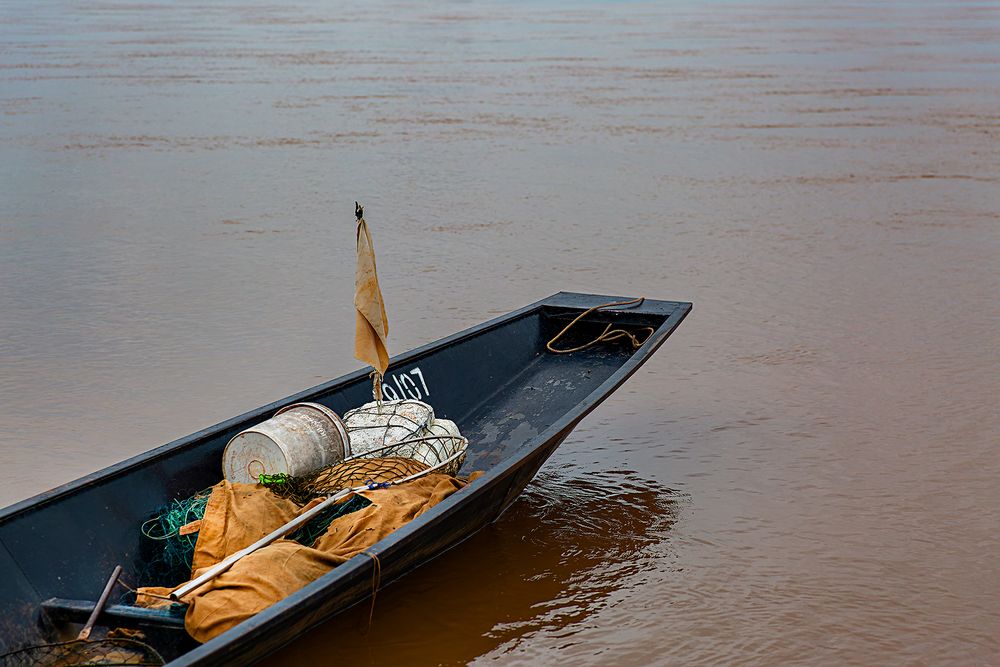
x,y
172,550
403,428
377,425
391,464
362,471
79,652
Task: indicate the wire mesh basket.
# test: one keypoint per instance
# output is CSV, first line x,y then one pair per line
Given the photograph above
x,y
392,463
80,652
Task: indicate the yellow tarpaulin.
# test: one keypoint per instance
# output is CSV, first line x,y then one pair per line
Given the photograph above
x,y
239,514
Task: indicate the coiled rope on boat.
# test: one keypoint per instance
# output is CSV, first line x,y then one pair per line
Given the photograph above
x,y
606,336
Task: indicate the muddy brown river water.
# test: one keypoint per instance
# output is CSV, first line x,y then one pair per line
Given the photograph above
x,y
806,473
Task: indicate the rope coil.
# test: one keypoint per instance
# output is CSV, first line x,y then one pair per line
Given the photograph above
x,y
606,336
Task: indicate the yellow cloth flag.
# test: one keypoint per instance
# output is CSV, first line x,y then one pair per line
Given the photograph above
x,y
371,325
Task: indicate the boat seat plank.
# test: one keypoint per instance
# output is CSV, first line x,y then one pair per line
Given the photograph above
x,y
62,610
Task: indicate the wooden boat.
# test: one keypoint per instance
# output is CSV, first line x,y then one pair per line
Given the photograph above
x,y
513,399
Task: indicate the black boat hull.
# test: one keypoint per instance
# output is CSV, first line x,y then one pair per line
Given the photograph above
x,y
515,401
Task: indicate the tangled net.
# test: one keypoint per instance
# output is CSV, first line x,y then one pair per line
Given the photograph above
x,y
174,552
81,652
172,559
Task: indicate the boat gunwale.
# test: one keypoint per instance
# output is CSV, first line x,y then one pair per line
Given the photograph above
x,y
122,467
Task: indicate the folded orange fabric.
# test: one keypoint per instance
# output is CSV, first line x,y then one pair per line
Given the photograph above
x,y
239,514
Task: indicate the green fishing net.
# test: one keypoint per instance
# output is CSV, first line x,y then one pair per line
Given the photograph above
x,y
169,553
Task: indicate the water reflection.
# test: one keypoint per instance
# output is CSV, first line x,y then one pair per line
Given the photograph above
x,y
557,556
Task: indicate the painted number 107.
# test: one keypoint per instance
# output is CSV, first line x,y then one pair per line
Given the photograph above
x,y
401,385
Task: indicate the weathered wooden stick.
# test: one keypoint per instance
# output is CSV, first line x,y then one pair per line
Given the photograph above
x,y
101,601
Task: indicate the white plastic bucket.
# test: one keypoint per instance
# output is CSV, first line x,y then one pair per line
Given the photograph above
x,y
298,439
